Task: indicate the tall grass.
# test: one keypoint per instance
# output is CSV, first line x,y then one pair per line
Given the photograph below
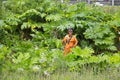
x,y
111,9
85,74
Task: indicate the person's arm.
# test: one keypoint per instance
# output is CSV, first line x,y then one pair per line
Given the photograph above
x,y
64,41
76,42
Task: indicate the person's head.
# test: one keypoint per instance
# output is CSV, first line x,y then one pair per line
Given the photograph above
x,y
70,31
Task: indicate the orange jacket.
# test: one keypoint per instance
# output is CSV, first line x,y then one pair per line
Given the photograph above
x,y
69,42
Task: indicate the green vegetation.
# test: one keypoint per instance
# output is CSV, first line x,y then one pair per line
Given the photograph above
x,y
30,40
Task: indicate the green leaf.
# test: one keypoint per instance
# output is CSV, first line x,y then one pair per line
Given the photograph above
x,y
53,17
86,52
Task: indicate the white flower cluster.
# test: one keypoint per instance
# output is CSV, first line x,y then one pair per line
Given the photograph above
x,y
35,68
118,32
43,58
20,69
46,73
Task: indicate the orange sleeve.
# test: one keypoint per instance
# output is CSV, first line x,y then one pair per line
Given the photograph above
x,y
76,41
64,40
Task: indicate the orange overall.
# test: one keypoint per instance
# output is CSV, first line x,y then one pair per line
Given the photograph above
x,y
69,42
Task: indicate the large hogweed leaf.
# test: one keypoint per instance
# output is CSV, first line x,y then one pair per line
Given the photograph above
x,y
101,35
21,58
54,17
65,25
86,52
115,60
31,14
96,31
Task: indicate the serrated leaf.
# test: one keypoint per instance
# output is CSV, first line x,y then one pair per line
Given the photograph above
x,y
53,17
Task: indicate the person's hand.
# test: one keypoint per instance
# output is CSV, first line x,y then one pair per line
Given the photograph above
x,y
72,46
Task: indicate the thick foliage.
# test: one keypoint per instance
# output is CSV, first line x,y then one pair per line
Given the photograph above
x,y
43,60
93,27
31,33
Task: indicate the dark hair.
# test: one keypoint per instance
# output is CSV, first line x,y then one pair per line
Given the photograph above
x,y
70,29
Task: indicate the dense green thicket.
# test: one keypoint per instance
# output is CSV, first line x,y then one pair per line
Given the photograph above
x,y
94,27
31,33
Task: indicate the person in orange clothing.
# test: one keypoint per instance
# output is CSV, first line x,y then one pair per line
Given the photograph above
x,y
69,41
